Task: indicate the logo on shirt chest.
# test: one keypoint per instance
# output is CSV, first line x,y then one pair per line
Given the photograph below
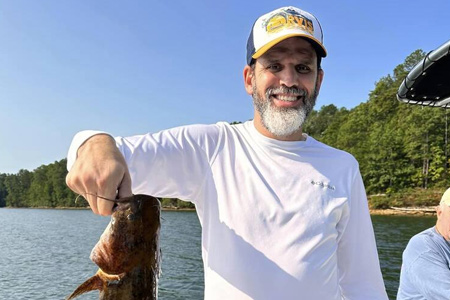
x,y
323,185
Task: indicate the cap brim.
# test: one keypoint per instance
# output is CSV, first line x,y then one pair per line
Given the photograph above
x,y
321,51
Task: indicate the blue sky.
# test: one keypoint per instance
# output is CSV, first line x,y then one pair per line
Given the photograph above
x,y
131,67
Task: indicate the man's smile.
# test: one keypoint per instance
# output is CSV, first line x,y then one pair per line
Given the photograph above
x,y
286,100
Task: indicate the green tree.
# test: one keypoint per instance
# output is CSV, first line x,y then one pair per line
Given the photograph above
x,y
17,186
3,191
49,188
319,121
61,194
39,193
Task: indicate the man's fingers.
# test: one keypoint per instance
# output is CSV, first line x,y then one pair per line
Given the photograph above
x,y
125,186
113,192
92,199
74,185
82,190
104,207
106,190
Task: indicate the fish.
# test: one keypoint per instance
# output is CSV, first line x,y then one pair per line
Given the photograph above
x,y
128,253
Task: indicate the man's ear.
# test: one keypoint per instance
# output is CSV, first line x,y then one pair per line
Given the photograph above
x,y
320,75
438,211
248,79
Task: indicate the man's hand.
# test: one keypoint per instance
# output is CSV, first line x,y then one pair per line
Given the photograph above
x,y
100,170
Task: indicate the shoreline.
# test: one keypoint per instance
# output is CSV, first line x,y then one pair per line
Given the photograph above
x,y
402,212
405,211
88,208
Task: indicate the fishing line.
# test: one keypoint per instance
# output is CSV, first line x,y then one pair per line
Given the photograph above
x,y
76,199
85,198
119,200
104,198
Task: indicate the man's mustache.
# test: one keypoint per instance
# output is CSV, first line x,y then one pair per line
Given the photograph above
x,y
286,90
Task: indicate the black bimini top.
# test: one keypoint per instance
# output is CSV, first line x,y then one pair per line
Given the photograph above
x,y
428,83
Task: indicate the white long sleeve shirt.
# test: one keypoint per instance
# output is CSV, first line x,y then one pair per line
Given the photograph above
x,y
280,220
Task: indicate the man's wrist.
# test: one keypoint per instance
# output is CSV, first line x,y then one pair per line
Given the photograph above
x,y
78,140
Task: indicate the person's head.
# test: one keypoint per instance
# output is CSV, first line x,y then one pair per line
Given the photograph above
x,y
283,72
443,215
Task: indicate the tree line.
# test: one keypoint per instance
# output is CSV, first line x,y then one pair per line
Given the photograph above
x,y
400,148
43,187
46,187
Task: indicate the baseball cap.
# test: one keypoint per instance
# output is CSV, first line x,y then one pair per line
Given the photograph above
x,y
280,24
446,197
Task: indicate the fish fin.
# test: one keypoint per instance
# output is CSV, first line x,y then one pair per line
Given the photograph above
x,y
93,283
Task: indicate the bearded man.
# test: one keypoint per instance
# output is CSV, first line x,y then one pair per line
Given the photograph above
x,y
283,216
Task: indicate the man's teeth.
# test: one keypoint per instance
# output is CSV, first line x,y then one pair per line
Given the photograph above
x,y
287,98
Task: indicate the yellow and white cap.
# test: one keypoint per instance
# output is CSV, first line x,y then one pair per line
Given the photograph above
x,y
446,198
280,24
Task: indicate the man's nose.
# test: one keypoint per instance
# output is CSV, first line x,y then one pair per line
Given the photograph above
x,y
288,77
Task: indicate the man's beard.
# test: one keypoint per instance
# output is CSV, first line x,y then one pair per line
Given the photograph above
x,y
283,121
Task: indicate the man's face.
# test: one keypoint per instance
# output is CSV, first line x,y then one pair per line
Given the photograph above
x,y
284,85
443,222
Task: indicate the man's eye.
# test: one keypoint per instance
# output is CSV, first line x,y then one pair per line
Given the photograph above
x,y
274,67
302,69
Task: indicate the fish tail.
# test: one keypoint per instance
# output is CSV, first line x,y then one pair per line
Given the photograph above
x,y
93,283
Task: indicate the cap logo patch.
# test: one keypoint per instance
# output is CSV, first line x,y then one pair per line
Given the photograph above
x,y
286,20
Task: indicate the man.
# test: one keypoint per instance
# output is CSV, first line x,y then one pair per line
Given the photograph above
x,y
283,216
425,272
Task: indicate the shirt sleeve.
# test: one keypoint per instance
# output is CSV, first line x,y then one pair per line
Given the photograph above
x,y
431,275
173,163
360,275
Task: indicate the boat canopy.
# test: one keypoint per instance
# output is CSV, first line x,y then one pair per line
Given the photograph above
x,y
428,83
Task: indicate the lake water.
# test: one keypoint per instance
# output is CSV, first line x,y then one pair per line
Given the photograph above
x,y
44,254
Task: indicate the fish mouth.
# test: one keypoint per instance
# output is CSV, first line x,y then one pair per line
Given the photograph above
x,y
111,278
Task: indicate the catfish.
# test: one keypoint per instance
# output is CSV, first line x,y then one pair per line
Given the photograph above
x,y
128,253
